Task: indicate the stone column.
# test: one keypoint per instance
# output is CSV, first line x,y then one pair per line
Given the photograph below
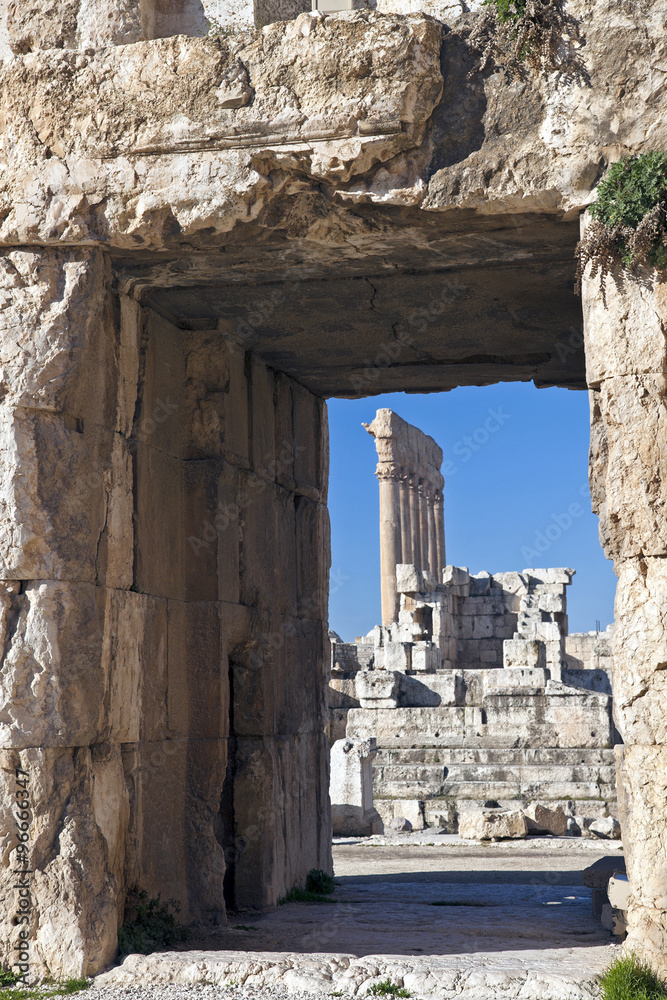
x,y
432,534
439,508
390,539
406,519
423,523
415,521
626,362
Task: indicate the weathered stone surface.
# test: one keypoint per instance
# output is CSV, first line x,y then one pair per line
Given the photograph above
x,y
351,789
70,820
493,824
542,819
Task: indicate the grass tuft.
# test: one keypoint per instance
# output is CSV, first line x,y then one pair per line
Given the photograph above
x,y
627,978
149,926
297,895
9,990
387,988
318,881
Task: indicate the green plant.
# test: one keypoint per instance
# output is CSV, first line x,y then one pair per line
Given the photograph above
x,y
8,978
149,926
387,988
629,219
628,978
43,992
531,32
318,881
246,927
297,895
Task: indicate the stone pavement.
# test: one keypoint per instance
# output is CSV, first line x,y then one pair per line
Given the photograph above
x,y
443,917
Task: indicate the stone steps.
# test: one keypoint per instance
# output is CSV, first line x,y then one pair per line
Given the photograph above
x,y
436,773
496,755
489,789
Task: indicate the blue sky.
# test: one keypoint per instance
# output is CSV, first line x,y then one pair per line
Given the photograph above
x,y
516,494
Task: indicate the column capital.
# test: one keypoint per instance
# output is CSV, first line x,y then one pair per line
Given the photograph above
x,y
388,470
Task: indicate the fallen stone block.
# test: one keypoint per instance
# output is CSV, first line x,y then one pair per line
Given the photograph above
x,y
493,824
544,820
607,828
400,824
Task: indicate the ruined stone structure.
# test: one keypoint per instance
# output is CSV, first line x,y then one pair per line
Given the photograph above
x,y
469,690
412,520
202,239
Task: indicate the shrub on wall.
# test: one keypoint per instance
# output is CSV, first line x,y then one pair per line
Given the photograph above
x,y
517,32
628,224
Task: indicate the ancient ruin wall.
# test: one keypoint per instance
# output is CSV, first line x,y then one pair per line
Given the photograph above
x,y
187,166
156,611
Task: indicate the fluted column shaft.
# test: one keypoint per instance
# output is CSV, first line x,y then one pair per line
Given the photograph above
x,y
390,540
415,522
423,524
432,534
439,508
406,520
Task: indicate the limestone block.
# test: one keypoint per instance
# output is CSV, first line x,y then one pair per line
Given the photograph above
x,y
279,682
65,499
200,517
69,856
263,442
111,809
206,373
409,579
551,603
351,789
313,545
515,680
543,819
72,24
162,413
512,583
159,534
174,788
397,656
607,828
52,683
198,681
224,532
377,688
396,813
493,824
524,654
425,658
457,580
307,416
284,443
236,416
280,784
134,662
624,330
627,441
642,784
396,727
267,557
640,652
57,340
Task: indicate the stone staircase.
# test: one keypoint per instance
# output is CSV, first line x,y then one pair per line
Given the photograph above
x,y
431,786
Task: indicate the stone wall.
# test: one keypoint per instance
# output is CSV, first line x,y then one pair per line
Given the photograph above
x,y
625,357
469,700
158,488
